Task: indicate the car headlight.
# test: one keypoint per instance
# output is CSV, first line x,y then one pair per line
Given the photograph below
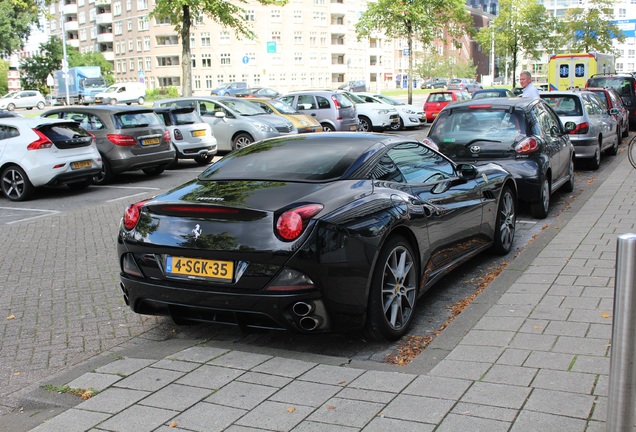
x,y
263,127
410,111
382,111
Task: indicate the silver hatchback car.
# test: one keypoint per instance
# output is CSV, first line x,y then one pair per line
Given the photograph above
x,y
235,122
192,138
596,128
332,109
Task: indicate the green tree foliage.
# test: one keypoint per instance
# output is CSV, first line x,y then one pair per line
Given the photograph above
x,y
16,20
522,27
410,19
4,79
435,65
34,70
590,28
181,13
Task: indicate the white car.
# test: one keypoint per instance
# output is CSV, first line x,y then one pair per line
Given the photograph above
x,y
192,138
373,115
28,99
410,115
36,152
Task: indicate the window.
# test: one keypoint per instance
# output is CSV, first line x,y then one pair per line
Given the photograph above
x,y
82,34
119,28
224,37
206,60
298,16
132,65
117,8
168,61
225,59
275,15
196,80
148,61
298,37
142,5
206,41
128,5
142,23
81,17
276,36
622,12
129,24
312,39
167,40
298,57
249,15
160,21
413,163
146,43
139,44
130,44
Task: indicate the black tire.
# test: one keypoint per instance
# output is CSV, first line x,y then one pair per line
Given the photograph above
x,y
241,140
505,222
595,162
204,160
365,124
613,150
569,185
326,127
539,209
175,161
16,185
105,176
141,100
154,171
80,185
397,126
40,105
399,294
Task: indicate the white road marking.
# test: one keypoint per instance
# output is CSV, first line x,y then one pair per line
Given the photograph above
x,y
46,213
126,197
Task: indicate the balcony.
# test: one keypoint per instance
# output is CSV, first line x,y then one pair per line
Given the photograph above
x,y
109,55
71,25
73,42
338,68
104,18
338,8
338,29
69,9
105,38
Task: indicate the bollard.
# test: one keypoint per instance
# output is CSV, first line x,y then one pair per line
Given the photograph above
x,y
622,376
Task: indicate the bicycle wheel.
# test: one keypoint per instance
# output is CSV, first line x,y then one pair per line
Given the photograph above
x,y
631,152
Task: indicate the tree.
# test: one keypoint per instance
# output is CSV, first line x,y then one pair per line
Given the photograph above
x,y
421,19
521,27
16,20
591,28
4,79
181,14
436,65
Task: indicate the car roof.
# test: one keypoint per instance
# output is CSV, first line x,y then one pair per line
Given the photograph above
x,y
32,121
498,102
100,109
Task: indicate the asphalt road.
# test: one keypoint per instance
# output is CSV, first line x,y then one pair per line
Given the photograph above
x,y
62,304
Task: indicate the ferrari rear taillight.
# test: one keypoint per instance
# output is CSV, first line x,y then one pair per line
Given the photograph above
x,y
292,223
581,129
132,214
41,143
178,135
122,140
527,146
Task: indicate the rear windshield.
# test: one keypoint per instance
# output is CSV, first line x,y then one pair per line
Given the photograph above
x,y
440,97
564,105
463,125
284,161
623,85
184,118
344,101
136,119
66,135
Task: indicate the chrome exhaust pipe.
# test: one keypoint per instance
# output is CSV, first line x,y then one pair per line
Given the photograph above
x,y
309,323
302,309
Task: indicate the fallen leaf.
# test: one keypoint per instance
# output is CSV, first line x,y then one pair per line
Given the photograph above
x,y
10,317
16,374
331,407
537,327
606,315
343,382
291,409
173,424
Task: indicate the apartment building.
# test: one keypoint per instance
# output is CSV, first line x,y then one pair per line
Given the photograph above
x,y
305,44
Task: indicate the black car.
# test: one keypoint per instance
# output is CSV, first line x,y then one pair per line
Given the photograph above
x,y
625,86
490,93
523,135
313,232
434,83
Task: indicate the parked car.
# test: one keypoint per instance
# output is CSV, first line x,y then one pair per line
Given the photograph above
x,y
625,86
361,224
127,93
434,83
596,130
192,138
354,86
235,122
374,116
28,99
332,109
410,115
258,92
488,93
38,152
611,99
303,122
128,138
466,84
437,101
523,135
229,89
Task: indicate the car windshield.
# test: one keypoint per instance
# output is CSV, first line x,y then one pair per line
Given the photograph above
x,y
620,84
357,99
9,95
284,161
564,105
126,120
283,108
388,100
243,107
474,124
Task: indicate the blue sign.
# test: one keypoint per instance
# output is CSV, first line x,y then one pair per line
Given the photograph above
x,y
271,47
405,52
628,27
245,59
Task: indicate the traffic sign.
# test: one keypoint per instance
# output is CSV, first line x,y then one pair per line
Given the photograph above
x,y
245,59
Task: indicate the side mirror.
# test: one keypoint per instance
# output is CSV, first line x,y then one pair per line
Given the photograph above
x,y
613,111
569,126
466,171
219,114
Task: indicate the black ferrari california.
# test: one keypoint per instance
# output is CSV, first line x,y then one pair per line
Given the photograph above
x,y
313,233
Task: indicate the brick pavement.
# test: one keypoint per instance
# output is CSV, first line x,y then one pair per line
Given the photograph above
x,y
531,353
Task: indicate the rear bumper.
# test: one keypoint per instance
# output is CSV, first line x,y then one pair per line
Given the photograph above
x,y
584,147
142,161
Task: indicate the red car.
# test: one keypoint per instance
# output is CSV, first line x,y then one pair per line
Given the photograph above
x,y
611,99
437,100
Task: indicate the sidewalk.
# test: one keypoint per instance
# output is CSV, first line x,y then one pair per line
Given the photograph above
x,y
530,354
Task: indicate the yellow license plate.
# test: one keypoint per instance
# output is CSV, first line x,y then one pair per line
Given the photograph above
x,y
198,133
200,267
150,141
81,164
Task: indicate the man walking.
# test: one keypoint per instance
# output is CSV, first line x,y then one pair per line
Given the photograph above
x,y
529,90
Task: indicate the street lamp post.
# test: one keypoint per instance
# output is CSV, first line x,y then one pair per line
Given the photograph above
x,y
64,57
